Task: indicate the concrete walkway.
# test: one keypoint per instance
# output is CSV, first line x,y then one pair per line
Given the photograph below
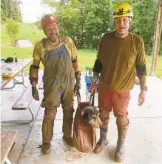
x,y
143,143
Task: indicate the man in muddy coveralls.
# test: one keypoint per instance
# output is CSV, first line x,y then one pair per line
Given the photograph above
x,y
121,55
58,56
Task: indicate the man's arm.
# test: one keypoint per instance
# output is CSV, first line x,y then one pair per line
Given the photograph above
x,y
97,65
96,70
34,68
74,59
77,75
141,65
141,71
75,64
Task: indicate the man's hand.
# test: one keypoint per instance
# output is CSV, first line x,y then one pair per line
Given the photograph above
x,y
35,93
141,98
77,87
93,87
77,84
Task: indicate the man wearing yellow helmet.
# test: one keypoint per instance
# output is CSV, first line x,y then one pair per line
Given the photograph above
x,y
59,58
121,55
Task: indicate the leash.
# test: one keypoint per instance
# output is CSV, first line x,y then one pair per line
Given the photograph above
x,y
92,98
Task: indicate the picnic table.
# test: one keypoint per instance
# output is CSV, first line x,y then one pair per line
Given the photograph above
x,y
10,70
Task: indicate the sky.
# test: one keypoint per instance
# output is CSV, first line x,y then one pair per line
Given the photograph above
x,y
33,10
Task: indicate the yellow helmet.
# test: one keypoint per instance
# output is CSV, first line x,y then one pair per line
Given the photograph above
x,y
123,9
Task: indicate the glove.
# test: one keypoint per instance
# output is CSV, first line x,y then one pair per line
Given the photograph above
x,y
77,84
77,87
95,78
35,93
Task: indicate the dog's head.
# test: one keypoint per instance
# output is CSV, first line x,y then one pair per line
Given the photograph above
x,y
90,115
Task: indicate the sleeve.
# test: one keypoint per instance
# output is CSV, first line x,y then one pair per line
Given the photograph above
x,y
73,49
34,67
100,48
37,53
141,64
97,65
73,52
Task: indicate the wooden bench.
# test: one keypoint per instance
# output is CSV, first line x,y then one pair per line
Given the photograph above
x,y
24,101
7,141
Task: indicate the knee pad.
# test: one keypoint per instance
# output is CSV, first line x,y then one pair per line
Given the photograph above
x,y
122,121
104,115
50,113
68,109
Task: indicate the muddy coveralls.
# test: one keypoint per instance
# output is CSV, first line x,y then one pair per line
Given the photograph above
x,y
58,82
60,73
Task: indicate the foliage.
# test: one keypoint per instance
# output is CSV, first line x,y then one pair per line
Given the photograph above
x,y
10,10
86,20
144,21
98,20
12,29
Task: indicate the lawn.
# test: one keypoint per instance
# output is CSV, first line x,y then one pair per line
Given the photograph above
x,y
85,57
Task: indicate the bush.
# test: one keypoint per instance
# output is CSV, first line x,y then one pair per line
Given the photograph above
x,y
12,29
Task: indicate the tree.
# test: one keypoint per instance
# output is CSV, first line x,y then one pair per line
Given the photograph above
x,y
97,20
10,10
12,29
144,21
86,20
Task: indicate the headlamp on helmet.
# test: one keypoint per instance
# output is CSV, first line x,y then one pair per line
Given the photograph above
x,y
123,10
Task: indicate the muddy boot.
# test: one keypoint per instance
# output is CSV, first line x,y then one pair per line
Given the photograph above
x,y
103,138
67,126
122,132
47,129
47,133
68,140
46,147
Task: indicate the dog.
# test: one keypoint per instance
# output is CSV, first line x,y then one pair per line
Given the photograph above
x,y
90,116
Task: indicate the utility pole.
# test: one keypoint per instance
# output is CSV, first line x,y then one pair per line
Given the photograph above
x,y
158,29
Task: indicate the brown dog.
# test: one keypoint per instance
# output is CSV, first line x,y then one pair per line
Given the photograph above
x,y
90,115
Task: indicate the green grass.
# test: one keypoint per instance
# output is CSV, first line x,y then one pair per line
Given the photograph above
x,y
86,58
16,52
